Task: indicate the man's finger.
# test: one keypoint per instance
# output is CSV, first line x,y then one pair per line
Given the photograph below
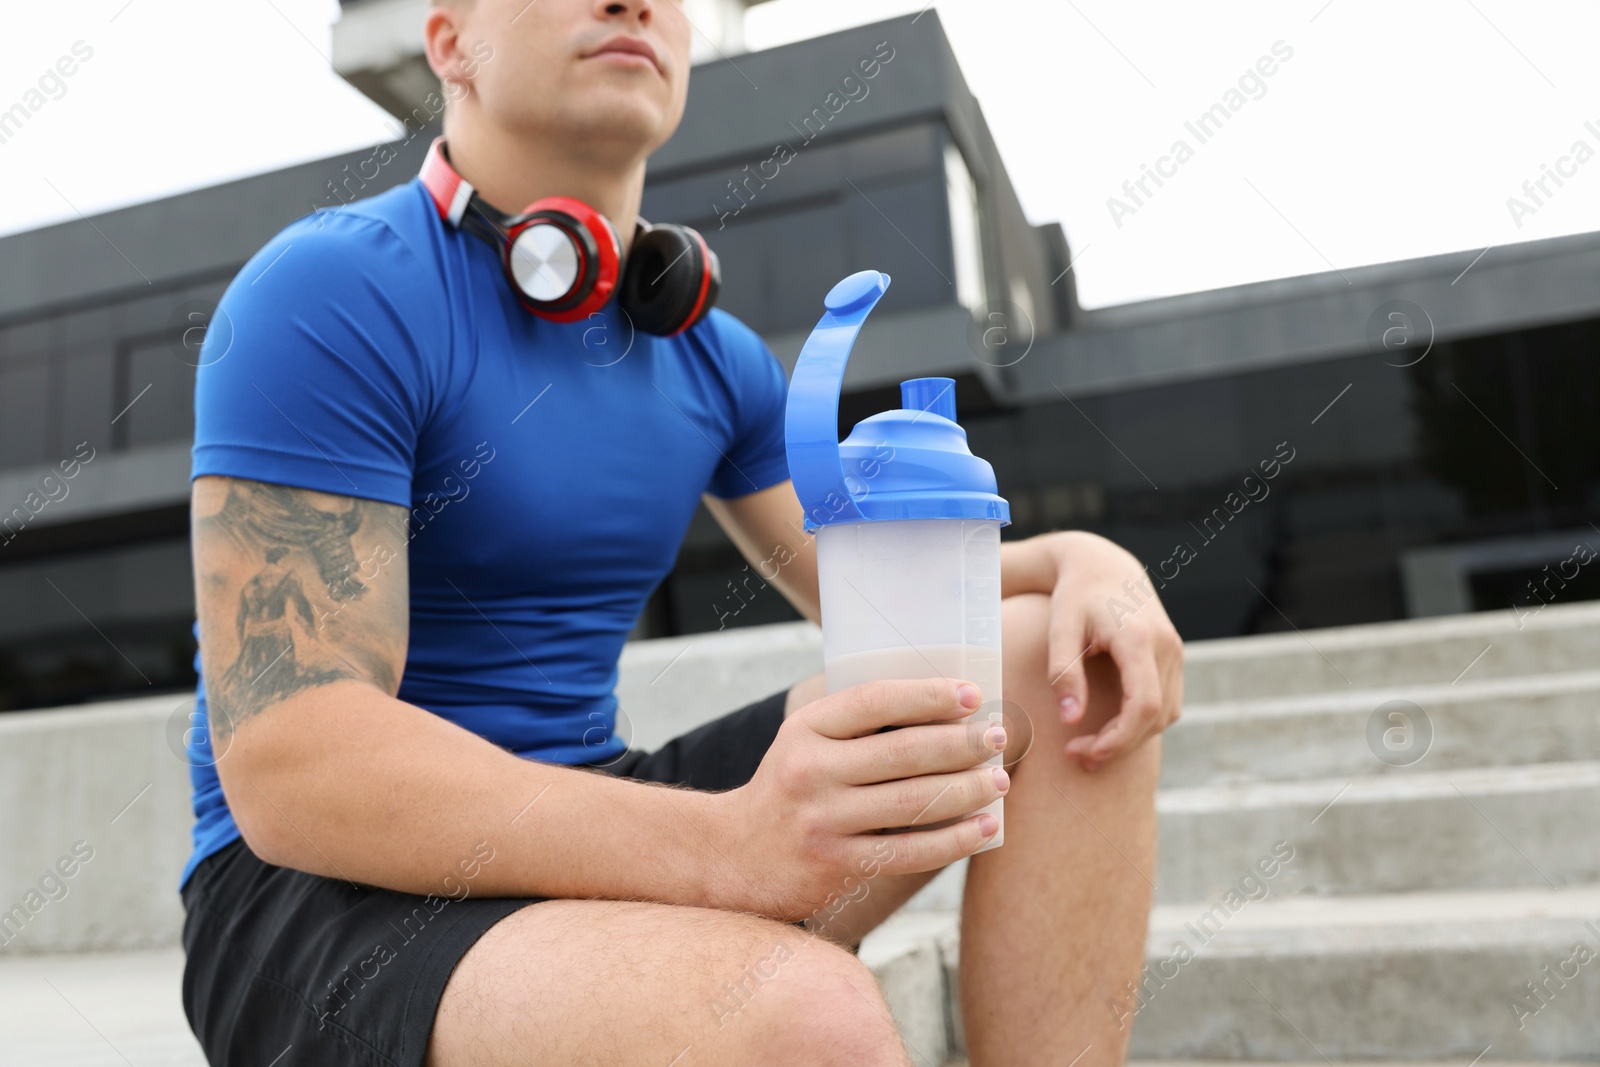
x,y
923,748
865,709
921,801
914,851
1091,750
1135,659
1068,647
1172,688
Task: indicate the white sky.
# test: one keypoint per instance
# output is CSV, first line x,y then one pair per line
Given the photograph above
x,y
1396,130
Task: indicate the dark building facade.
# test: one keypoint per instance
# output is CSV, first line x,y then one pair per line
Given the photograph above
x,y
1403,439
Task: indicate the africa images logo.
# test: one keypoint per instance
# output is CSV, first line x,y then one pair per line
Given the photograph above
x,y
51,85
1203,128
852,89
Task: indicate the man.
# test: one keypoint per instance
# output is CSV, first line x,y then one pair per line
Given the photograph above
x,y
418,839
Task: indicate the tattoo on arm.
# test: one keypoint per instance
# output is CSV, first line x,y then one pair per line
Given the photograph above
x,y
319,589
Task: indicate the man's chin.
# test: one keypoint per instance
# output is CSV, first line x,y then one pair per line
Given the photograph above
x,y
619,122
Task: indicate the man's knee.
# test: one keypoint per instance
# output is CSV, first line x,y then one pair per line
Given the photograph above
x,y
738,988
1031,717
1025,629
830,1011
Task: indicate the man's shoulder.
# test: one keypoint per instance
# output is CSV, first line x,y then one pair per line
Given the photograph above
x,y
749,371
731,338
381,236
376,250
361,278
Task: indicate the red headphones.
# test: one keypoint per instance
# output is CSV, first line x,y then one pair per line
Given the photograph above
x,y
563,260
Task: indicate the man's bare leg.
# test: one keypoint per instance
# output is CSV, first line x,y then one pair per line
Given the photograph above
x,y
1053,926
638,984
1053,922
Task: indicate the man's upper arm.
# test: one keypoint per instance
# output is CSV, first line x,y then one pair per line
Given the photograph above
x,y
315,381
294,589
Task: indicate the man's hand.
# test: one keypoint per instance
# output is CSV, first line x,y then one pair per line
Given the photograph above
x,y
807,825
1101,601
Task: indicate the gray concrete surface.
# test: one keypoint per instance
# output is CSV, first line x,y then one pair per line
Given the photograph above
x,y
96,1009
1490,827
669,686
1488,723
1421,977
1419,900
104,777
1489,644
113,775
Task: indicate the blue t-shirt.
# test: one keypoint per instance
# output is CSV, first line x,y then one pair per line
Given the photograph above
x,y
550,470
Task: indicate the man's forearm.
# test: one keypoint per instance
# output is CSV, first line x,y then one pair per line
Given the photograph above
x,y
345,781
1030,565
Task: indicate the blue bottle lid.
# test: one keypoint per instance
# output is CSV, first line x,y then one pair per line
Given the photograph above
x,y
909,463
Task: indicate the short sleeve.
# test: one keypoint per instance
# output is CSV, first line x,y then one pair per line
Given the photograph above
x,y
314,371
758,457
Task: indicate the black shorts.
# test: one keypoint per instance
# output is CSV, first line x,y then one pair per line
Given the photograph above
x,y
280,961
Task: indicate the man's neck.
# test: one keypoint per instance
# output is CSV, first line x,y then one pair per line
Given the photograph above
x,y
511,174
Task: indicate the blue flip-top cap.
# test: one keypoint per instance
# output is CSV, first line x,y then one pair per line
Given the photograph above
x,y
910,463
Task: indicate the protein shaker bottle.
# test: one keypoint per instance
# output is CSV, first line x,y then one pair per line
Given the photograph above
x,y
907,523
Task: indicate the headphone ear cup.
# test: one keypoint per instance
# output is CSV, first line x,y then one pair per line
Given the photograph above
x,y
670,281
562,258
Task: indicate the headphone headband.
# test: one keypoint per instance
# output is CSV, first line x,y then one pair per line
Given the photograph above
x,y
457,199
451,192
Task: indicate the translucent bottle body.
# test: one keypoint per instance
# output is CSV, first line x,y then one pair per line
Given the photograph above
x,y
914,598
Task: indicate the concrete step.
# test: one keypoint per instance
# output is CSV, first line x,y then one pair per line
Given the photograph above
x,y
108,781
96,1009
1434,974
1493,722
1489,644
1425,976
668,686
1416,977
112,775
675,683
1471,828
